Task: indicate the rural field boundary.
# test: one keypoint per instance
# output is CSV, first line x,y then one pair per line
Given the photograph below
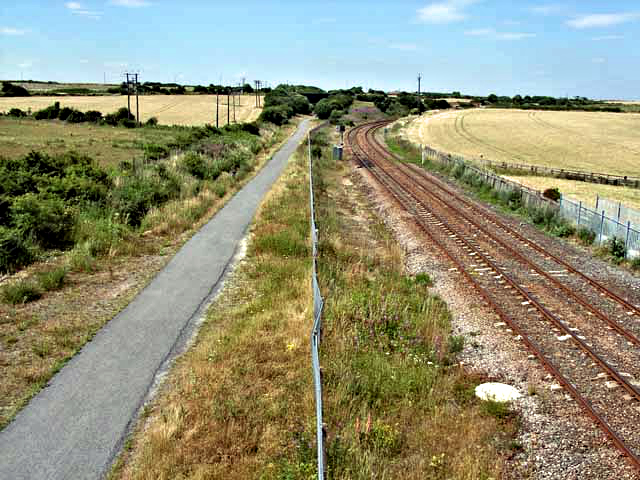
x,y
603,225
316,332
567,174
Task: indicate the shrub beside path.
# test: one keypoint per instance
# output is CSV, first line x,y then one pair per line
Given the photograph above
x,y
76,425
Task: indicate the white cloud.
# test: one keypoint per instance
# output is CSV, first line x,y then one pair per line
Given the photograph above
x,y
548,9
130,3
602,20
12,31
598,60
514,36
26,64
79,9
607,37
84,60
444,12
490,32
407,47
480,32
511,22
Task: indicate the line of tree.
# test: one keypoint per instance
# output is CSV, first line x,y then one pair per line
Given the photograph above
x,y
11,90
283,102
122,117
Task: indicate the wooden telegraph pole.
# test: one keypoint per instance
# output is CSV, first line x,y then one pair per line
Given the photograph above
x,y
217,105
228,111
137,103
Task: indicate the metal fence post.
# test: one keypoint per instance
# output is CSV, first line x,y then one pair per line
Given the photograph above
x,y
579,211
601,226
619,209
626,240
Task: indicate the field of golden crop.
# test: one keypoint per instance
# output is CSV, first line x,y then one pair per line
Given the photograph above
x,y
185,110
598,142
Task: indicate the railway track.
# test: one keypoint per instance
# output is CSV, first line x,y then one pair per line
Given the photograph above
x,y
584,334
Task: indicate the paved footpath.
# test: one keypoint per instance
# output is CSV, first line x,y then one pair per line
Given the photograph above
x,y
74,427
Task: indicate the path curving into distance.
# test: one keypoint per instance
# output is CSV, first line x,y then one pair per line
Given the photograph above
x,y
75,426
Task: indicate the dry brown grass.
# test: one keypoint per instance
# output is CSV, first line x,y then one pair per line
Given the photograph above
x,y
187,110
235,405
598,142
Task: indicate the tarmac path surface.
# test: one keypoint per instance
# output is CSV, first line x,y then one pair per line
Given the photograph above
x,y
74,428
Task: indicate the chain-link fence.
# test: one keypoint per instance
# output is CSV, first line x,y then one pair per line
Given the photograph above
x,y
609,220
316,333
603,222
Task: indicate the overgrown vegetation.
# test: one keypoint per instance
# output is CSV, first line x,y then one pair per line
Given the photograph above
x,y
282,103
396,402
69,200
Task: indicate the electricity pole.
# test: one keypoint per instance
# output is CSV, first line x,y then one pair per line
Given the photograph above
x,y
228,107
217,105
128,98
137,102
256,82
234,106
419,103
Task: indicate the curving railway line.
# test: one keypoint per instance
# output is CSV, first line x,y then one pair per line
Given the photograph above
x,y
584,334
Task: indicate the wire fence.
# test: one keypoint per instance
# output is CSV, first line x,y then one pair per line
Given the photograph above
x,y
608,221
568,174
316,332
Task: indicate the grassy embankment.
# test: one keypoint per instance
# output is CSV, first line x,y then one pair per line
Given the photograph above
x,y
88,257
511,203
397,404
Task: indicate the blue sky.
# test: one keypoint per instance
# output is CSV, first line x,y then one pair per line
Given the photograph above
x,y
475,46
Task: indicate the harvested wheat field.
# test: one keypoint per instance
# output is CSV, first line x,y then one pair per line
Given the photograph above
x,y
598,142
185,110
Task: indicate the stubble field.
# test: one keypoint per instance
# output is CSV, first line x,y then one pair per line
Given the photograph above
x,y
187,110
598,142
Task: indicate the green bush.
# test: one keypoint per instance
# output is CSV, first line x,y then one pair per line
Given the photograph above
x,y
552,194
22,291
49,113
15,252
152,122
52,279
195,165
93,116
137,195
44,218
617,248
277,115
77,116
335,116
153,151
635,264
586,236
563,229
64,113
16,112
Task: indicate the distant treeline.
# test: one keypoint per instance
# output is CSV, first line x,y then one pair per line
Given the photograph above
x,y
123,117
